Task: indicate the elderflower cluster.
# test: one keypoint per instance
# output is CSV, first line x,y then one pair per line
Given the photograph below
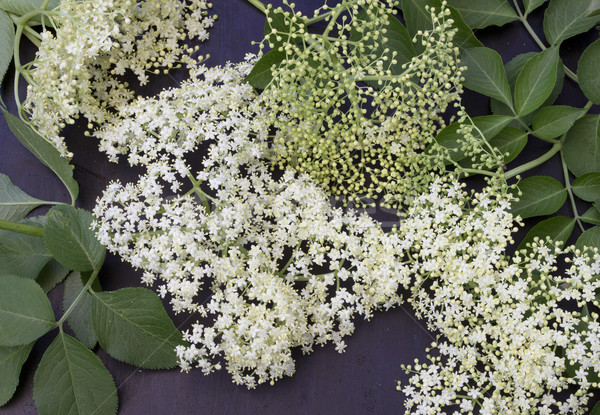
x,y
351,111
77,67
265,260
511,342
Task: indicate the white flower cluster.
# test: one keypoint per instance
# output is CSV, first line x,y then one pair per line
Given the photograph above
x,y
267,262
509,345
77,67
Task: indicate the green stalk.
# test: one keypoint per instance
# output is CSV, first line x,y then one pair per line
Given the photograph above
x,y
259,5
22,228
570,192
534,163
86,287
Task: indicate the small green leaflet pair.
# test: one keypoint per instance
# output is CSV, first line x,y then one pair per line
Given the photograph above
x,y
37,254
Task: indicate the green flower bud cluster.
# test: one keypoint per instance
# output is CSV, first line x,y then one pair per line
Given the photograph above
x,y
348,112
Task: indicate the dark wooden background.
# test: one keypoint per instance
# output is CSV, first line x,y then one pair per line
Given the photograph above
x,y
360,381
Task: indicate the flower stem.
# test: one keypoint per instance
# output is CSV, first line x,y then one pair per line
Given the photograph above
x,y
259,5
22,228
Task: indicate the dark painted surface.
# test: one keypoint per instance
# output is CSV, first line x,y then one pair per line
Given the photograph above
x,y
360,381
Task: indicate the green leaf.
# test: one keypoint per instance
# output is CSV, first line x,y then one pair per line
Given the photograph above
x,y
21,7
554,121
587,72
15,204
71,241
536,81
540,195
399,45
25,311
485,74
510,141
262,73
483,13
531,5
587,186
22,255
51,275
7,39
592,215
581,148
513,68
417,18
80,318
11,362
589,238
558,228
132,325
596,409
566,18
44,151
71,380
451,139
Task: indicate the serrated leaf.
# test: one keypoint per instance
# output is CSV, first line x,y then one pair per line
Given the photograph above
x,y
488,125
132,325
566,18
7,39
536,81
22,255
51,275
531,5
558,228
21,7
44,151
587,72
25,311
15,204
587,186
589,238
80,318
510,141
11,362
592,216
71,241
540,195
262,73
554,121
417,18
71,380
485,74
399,45
581,148
483,13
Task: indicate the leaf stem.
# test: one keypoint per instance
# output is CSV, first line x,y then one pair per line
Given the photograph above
x,y
534,163
570,192
22,228
86,287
